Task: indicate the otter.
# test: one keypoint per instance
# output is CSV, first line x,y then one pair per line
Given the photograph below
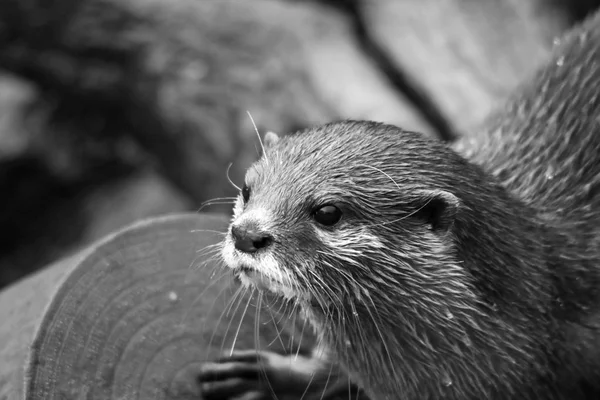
x,y
434,271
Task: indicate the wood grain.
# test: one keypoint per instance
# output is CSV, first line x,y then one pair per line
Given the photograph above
x,y
131,317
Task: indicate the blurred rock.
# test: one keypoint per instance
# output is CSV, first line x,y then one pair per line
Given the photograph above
x,y
48,220
179,77
15,95
344,78
468,54
110,207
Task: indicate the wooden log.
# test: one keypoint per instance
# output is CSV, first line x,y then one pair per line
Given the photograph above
x,y
131,317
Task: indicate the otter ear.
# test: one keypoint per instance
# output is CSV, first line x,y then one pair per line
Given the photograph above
x,y
438,209
270,139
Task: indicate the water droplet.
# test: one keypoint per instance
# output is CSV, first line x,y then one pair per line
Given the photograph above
x,y
560,61
449,315
467,341
446,381
550,173
348,343
173,296
355,313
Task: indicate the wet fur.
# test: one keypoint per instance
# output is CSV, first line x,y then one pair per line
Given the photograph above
x,y
492,294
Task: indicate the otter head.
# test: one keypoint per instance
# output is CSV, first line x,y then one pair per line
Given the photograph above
x,y
353,216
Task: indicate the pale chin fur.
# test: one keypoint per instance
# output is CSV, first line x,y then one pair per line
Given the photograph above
x,y
265,273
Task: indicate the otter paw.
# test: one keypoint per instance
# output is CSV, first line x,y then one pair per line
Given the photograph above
x,y
254,375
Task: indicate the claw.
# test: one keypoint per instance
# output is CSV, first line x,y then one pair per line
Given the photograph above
x,y
226,388
225,370
259,375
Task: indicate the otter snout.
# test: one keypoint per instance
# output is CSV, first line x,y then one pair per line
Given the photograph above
x,y
249,239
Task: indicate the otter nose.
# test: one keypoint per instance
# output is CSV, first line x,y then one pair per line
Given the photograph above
x,y
249,240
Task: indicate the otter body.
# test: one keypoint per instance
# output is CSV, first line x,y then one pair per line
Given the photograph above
x,y
432,272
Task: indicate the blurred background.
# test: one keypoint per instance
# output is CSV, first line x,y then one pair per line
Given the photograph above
x,y
116,110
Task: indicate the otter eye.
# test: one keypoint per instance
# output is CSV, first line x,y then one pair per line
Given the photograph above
x,y
327,215
245,193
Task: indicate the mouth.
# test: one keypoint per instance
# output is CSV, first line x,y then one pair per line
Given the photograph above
x,y
264,273
251,277
244,269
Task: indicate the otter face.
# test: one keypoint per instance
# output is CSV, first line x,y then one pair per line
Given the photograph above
x,y
335,216
275,240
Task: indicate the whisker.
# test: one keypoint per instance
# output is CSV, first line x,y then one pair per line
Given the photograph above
x,y
312,377
278,333
327,381
238,296
208,231
300,340
215,203
222,314
229,179
257,342
294,326
397,186
199,296
259,138
212,254
237,332
227,198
